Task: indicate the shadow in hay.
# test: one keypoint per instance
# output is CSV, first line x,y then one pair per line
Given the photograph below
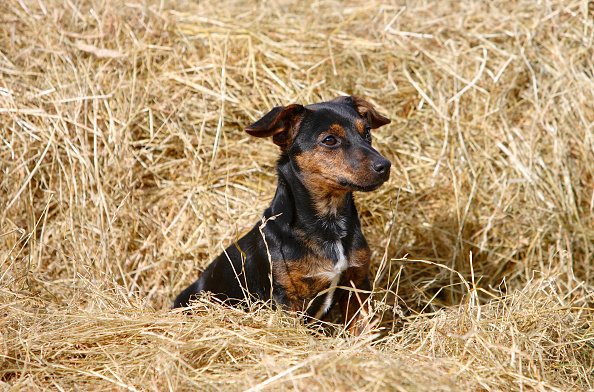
x,y
434,268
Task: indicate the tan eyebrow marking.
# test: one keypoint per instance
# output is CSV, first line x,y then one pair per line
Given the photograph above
x,y
360,125
337,130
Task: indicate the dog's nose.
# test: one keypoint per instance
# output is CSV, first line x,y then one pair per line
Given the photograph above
x,y
382,166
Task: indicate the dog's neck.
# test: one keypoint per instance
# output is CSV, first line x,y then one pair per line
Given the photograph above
x,y
329,215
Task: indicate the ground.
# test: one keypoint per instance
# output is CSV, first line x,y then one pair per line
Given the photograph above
x,y
125,169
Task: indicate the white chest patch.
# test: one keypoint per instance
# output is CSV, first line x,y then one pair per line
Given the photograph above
x,y
334,276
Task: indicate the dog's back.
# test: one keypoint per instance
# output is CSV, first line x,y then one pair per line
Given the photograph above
x,y
241,272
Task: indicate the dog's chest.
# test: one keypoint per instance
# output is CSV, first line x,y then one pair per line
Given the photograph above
x,y
340,265
316,275
331,264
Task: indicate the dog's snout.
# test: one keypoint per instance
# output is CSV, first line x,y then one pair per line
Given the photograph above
x,y
381,166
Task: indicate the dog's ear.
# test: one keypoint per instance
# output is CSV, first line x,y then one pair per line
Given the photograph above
x,y
282,123
368,112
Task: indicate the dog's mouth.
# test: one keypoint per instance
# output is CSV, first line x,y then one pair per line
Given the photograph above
x,y
361,188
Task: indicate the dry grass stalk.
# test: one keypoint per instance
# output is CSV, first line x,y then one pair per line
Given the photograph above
x,y
124,170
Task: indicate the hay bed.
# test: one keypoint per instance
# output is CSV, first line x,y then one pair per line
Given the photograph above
x,y
124,170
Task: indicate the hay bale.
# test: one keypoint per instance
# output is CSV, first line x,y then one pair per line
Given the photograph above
x,y
125,170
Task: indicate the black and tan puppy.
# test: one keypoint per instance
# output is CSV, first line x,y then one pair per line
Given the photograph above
x,y
315,242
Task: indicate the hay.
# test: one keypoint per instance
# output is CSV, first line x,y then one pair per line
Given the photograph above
x,y
125,170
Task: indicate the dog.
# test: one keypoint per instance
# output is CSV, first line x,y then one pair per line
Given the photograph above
x,y
311,252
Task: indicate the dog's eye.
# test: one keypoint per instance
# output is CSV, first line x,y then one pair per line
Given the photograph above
x,y
367,135
330,141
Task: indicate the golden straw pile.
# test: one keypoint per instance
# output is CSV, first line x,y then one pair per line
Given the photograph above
x,y
124,169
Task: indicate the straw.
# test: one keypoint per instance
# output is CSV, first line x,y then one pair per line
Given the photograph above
x,y
125,170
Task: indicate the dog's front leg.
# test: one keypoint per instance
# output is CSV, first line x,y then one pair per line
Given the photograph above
x,y
354,306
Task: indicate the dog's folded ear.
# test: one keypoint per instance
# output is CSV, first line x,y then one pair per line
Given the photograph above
x,y
282,123
368,112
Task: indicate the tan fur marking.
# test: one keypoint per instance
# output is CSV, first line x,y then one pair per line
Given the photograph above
x,y
360,125
360,258
321,169
302,279
359,261
336,130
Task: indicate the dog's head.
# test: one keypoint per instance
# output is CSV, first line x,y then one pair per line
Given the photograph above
x,y
329,142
